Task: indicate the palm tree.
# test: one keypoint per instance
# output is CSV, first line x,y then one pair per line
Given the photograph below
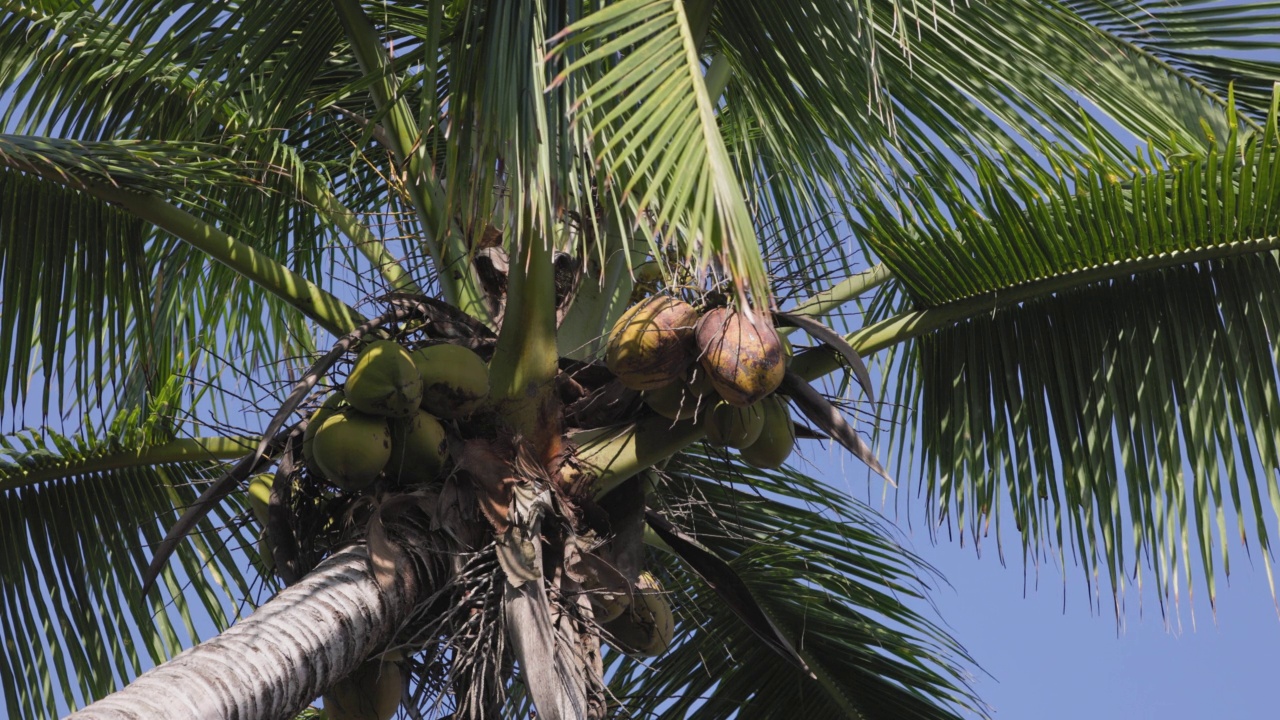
x,y
1067,213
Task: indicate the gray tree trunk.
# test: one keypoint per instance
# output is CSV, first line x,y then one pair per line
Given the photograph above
x,y
275,662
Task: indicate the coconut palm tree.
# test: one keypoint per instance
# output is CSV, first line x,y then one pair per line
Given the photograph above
x,y
1049,226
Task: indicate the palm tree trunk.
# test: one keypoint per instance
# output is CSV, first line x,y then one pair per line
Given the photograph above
x,y
273,663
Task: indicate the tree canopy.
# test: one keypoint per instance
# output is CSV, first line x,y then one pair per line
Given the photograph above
x,y
1050,227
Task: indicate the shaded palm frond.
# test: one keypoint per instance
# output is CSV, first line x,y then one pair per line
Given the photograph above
x,y
74,281
827,573
77,514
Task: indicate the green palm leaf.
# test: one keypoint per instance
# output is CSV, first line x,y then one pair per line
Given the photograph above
x,y
1113,367
654,97
825,571
76,624
138,271
105,280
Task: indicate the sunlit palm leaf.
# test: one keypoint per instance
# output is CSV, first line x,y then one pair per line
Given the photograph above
x,y
1211,45
77,515
898,88
657,135
162,315
1115,371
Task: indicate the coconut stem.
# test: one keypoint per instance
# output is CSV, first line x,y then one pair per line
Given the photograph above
x,y
524,366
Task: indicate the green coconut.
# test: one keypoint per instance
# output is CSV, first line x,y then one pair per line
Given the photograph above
x,y
351,448
645,628
732,426
418,449
777,439
332,404
742,354
384,381
266,553
675,402
455,380
652,343
372,692
260,495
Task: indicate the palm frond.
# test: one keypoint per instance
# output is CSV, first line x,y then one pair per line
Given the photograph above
x,y
656,134
1214,47
826,97
76,514
826,571
74,280
1114,368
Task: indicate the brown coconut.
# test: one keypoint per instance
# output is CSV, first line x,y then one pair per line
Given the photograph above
x,y
652,343
742,354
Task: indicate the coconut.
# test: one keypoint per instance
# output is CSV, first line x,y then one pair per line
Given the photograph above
x,y
372,692
646,627
776,440
732,426
741,353
352,448
608,606
418,449
652,343
384,381
266,553
260,495
331,405
675,402
455,381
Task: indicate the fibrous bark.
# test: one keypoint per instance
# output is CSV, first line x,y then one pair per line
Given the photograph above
x,y
275,662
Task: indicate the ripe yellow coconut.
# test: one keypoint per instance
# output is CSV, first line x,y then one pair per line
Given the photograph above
x,y
741,353
455,380
352,448
646,627
384,381
418,449
777,438
731,426
652,343
372,692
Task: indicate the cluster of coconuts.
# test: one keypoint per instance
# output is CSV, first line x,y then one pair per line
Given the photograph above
x,y
719,369
385,422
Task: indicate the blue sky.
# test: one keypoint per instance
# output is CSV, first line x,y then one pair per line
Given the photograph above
x,y
1051,661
